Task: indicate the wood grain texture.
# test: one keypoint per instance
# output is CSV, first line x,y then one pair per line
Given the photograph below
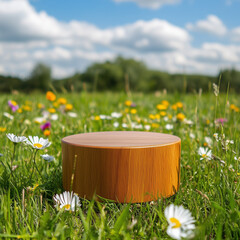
x,y
122,166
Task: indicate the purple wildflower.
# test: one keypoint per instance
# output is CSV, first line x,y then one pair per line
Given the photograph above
x,y
13,105
220,120
45,126
133,105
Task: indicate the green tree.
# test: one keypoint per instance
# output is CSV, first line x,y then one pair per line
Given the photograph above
x,y
229,77
40,77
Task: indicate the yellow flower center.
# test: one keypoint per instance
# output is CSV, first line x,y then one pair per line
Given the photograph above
x,y
38,145
177,223
67,206
204,155
13,103
97,118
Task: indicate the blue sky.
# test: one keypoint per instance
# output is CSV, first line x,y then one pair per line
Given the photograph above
x,y
107,13
190,36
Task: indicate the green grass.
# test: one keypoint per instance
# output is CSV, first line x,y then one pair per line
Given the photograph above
x,y
209,188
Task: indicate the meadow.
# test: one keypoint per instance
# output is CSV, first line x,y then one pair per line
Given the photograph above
x,y
208,125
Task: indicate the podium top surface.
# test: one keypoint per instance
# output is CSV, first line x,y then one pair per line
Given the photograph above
x,y
121,139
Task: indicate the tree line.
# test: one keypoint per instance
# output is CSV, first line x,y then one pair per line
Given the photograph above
x,y
120,75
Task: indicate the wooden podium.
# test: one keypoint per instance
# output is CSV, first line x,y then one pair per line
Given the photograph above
x,y
125,166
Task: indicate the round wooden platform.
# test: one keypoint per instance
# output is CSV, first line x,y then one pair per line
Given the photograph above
x,y
122,166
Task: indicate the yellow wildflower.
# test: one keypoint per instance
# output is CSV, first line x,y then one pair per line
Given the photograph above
x,y
157,116
68,107
55,104
19,110
180,116
161,107
52,110
62,101
155,125
126,110
165,103
162,113
128,103
237,109
234,108
151,116
26,108
40,105
174,107
207,122
47,132
133,111
179,104
3,129
50,96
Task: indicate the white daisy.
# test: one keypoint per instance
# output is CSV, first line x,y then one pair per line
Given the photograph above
x,y
181,222
169,126
45,114
47,157
38,143
192,135
39,120
147,127
174,119
136,126
205,153
208,140
103,117
15,138
188,121
235,158
216,136
72,114
116,124
67,201
124,125
228,141
165,118
27,122
116,115
54,117
7,115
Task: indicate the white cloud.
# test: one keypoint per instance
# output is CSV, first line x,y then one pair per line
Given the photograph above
x,y
235,34
149,36
212,25
28,37
215,52
153,4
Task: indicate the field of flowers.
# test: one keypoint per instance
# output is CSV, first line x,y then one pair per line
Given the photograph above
x,y
31,200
